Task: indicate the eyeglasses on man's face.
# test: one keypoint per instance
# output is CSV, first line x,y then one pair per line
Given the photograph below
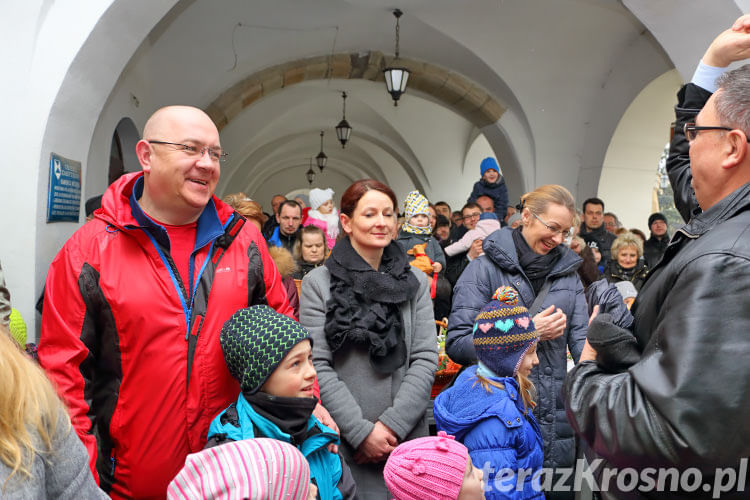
x,y
565,233
472,215
216,154
691,130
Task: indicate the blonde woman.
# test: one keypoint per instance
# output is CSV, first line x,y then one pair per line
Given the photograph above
x,y
532,260
40,454
627,263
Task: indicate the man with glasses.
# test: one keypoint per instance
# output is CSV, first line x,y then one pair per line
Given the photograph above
x,y
455,265
129,335
611,222
674,391
471,213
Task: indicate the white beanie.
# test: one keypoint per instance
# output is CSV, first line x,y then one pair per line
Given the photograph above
x,y
320,196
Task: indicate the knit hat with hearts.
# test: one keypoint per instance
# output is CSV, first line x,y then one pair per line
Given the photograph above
x,y
503,333
427,468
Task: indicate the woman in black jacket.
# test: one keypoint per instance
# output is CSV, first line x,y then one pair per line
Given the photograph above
x,y
627,263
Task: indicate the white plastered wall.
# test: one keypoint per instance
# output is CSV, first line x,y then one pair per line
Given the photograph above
x,y
629,171
40,40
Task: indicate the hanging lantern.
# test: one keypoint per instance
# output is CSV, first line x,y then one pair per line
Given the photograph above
x,y
322,158
310,174
396,76
343,130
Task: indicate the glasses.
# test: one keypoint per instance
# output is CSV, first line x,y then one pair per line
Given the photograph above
x,y
564,233
474,215
691,130
216,154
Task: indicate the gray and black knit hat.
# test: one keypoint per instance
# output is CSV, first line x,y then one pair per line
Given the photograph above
x,y
255,340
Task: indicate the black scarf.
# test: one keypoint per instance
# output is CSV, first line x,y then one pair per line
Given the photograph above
x,y
288,414
536,267
364,304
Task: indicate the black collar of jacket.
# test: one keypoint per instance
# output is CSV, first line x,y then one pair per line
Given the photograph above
x,y
738,201
290,238
599,231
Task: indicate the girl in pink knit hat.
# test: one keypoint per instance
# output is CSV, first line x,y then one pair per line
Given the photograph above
x,y
433,468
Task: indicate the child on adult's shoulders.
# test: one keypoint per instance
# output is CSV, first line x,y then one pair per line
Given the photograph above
x,y
491,184
323,214
271,356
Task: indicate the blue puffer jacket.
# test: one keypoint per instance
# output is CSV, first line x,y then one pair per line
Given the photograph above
x,y
325,467
499,267
495,430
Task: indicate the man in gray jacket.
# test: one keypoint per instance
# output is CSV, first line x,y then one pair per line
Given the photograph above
x,y
672,398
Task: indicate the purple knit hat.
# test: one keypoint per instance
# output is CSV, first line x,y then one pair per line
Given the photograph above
x,y
428,468
503,332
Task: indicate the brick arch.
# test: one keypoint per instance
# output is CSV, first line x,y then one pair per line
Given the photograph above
x,y
451,89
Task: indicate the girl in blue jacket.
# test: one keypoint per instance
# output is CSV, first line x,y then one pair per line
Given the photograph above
x,y
489,406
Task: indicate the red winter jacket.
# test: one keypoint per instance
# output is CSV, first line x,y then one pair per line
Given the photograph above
x,y
136,359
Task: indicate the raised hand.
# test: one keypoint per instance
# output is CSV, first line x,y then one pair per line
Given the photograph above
x,y
730,45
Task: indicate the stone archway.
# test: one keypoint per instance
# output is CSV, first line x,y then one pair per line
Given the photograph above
x,y
448,88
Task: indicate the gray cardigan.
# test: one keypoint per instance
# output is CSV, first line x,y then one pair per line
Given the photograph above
x,y
356,395
63,473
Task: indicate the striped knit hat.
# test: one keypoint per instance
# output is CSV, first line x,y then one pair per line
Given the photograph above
x,y
503,332
256,469
255,340
427,468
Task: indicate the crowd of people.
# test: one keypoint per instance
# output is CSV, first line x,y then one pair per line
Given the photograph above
x,y
199,348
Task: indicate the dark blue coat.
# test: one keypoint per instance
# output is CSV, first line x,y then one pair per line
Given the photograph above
x,y
495,430
498,191
499,267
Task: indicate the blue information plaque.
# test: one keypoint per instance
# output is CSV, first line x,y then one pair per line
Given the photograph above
x,y
64,198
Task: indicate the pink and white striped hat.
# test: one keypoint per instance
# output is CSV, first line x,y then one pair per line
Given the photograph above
x,y
256,469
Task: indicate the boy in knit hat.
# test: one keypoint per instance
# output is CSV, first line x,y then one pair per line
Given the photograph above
x,y
488,407
271,356
491,184
433,468
262,469
416,230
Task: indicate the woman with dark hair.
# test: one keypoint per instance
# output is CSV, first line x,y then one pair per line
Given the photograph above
x,y
374,348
